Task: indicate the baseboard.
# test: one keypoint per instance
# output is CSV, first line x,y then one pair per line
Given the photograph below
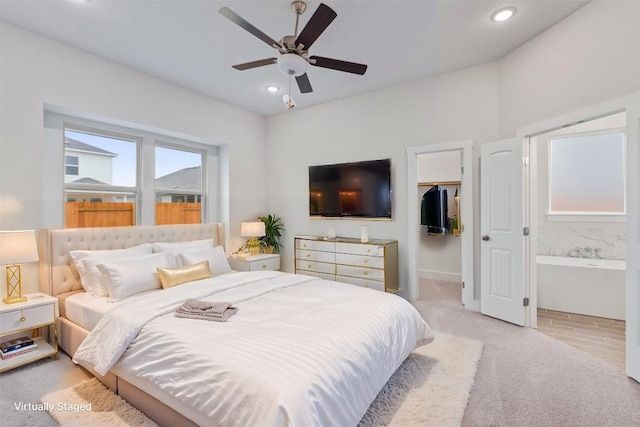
x,y
440,275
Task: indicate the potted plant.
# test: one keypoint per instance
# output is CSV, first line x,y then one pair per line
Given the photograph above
x,y
273,229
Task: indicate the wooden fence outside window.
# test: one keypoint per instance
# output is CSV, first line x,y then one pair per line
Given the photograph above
x,y
115,214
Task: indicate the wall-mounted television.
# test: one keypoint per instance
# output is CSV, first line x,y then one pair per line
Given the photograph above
x,y
358,190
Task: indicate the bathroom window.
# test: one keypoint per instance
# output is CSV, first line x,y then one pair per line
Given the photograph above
x,y
587,174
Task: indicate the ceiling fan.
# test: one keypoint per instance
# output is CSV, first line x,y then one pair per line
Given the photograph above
x,y
294,50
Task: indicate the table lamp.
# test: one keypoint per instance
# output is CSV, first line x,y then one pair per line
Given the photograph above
x,y
253,230
16,247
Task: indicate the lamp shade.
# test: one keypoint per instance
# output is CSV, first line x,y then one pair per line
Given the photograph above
x,y
17,247
252,229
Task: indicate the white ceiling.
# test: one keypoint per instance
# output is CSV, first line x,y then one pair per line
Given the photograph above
x,y
189,43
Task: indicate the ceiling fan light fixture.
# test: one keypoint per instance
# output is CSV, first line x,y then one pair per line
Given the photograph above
x,y
292,64
272,89
503,14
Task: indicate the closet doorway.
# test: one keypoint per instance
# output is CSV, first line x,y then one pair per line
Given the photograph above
x,y
431,256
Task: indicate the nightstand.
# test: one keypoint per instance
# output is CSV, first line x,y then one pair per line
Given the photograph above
x,y
256,262
38,311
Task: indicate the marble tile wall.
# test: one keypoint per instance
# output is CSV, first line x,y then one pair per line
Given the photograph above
x,y
562,239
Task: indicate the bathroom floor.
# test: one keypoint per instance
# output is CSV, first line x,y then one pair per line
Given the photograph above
x,y
602,338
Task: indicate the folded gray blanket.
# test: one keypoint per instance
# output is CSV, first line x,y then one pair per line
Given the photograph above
x,y
217,311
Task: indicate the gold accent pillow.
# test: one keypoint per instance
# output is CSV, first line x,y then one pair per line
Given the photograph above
x,y
176,276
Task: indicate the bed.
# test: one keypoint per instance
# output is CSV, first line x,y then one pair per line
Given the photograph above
x,y
299,351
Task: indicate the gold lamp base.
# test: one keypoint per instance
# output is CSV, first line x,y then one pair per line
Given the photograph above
x,y
254,246
14,285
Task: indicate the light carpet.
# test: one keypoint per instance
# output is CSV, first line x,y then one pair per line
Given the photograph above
x,y
431,388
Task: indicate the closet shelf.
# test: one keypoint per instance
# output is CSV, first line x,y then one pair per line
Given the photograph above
x,y
420,184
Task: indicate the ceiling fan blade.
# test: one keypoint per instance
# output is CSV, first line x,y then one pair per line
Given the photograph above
x,y
337,64
320,20
304,84
255,64
237,19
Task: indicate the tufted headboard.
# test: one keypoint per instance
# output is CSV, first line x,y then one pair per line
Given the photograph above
x,y
58,275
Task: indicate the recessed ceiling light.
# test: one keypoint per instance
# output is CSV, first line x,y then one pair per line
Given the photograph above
x,y
503,14
273,89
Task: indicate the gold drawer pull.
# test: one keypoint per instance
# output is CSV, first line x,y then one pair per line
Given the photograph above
x,y
304,245
366,261
369,250
366,272
309,266
264,266
308,255
22,318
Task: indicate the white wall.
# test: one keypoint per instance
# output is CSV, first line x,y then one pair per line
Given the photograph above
x,y
590,57
382,124
35,71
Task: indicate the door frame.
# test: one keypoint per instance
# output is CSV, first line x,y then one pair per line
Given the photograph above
x,y
466,213
630,104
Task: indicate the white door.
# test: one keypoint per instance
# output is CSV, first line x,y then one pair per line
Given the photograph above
x,y
502,284
633,245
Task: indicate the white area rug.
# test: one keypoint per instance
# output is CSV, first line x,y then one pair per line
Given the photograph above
x,y
69,407
431,388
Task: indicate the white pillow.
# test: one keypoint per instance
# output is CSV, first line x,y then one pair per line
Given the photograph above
x,y
133,276
192,245
217,259
91,280
94,282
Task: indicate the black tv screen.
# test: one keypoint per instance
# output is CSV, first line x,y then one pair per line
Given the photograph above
x,y
360,189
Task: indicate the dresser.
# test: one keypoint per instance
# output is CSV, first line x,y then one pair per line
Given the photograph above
x,y
371,265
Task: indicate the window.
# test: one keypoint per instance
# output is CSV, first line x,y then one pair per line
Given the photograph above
x,y
119,176
71,165
103,191
587,173
178,185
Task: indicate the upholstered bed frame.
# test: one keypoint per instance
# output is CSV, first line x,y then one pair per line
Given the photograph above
x,y
59,278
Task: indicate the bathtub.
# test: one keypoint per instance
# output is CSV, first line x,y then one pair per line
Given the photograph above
x,y
595,287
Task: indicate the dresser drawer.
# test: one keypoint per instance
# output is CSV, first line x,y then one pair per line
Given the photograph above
x,y
360,249
306,255
315,245
360,272
325,276
26,318
265,264
320,267
371,284
360,260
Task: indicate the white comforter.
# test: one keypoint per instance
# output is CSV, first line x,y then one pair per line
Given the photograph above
x,y
300,351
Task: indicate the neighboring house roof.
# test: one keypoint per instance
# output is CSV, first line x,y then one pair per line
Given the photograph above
x,y
187,178
87,180
74,145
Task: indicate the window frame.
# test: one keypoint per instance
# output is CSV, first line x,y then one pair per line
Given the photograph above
x,y
192,148
67,165
59,122
587,216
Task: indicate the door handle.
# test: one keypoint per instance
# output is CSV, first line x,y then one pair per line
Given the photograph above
x,y
486,238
